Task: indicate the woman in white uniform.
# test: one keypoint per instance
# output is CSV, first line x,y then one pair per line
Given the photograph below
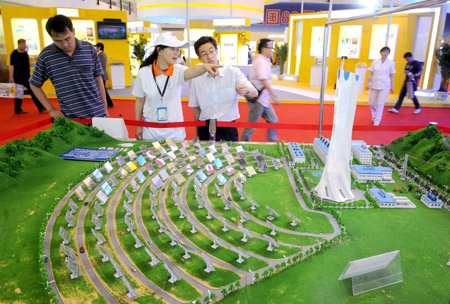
x,y
158,88
380,83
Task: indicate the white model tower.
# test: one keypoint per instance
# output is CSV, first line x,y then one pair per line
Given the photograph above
x,y
335,182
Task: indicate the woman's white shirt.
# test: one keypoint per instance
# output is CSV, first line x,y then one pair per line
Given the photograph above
x,y
381,72
157,109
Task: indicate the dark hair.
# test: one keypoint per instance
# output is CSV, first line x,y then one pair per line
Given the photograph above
x,y
21,40
204,40
407,55
263,43
153,56
101,46
59,24
385,48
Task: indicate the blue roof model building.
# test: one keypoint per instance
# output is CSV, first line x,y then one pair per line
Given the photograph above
x,y
363,169
382,196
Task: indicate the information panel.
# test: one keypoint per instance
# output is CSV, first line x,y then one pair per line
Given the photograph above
x,y
350,41
89,154
28,29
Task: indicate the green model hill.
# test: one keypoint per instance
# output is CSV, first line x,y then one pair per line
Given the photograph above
x,y
45,147
427,151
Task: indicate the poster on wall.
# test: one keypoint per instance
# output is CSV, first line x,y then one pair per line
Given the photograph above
x,y
317,41
84,30
378,40
350,41
24,28
228,48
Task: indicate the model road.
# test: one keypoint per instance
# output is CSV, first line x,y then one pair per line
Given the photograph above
x,y
122,256
333,221
84,258
183,238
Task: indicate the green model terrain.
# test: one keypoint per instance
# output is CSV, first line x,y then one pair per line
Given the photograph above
x,y
422,235
427,152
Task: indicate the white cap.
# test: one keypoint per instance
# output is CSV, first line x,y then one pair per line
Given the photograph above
x,y
169,39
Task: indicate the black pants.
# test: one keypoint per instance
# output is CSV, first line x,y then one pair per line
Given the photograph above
x,y
18,102
108,99
402,95
222,133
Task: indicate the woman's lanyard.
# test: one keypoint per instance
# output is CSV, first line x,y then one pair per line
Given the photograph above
x,y
165,86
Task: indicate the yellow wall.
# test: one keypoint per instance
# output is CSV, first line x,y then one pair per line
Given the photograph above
x,y
117,50
407,26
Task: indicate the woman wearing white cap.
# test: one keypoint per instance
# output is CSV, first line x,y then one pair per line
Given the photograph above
x,y
158,88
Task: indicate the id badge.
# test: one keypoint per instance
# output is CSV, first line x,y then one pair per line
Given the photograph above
x,y
161,113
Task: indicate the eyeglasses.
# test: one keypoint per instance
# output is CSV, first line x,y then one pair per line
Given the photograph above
x,y
61,42
207,54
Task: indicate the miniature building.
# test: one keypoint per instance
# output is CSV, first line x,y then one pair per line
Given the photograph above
x,y
320,146
360,151
363,173
382,198
390,200
296,152
431,201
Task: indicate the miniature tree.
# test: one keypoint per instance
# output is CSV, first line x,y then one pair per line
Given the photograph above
x,y
206,299
270,270
265,273
256,276
231,288
213,296
238,284
224,291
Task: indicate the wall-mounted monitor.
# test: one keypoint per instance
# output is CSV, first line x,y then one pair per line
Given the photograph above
x,y
112,30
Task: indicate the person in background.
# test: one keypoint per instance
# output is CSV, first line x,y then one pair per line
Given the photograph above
x,y
158,88
259,76
19,73
74,70
100,48
379,83
413,71
217,97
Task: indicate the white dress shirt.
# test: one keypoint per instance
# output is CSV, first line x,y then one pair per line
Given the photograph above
x,y
217,96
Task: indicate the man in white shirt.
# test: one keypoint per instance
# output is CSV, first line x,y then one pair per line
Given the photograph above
x,y
260,76
217,97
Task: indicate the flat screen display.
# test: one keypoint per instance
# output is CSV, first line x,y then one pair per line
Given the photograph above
x,y
112,30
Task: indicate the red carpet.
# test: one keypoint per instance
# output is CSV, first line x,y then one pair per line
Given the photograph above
x,y
287,113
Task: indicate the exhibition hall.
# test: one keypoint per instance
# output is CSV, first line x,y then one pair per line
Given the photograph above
x,y
232,151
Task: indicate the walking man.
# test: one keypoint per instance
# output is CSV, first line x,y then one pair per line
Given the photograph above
x,y
19,73
413,71
260,77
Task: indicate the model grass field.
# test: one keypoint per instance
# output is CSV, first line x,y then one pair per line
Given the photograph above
x,y
422,235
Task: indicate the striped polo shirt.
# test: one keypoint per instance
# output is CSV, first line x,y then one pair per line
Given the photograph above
x,y
73,78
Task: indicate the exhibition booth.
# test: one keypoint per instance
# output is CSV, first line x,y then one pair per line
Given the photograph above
x,y
360,41
90,25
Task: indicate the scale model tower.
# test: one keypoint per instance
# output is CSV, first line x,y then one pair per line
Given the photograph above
x,y
335,182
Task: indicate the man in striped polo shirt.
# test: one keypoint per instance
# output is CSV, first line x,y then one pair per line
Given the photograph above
x,y
74,70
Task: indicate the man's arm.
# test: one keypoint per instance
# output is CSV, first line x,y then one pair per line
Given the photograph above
x,y
245,91
101,87
199,69
11,74
39,92
268,87
138,111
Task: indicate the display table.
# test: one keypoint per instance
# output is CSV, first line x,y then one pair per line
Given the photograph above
x,y
117,75
316,76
